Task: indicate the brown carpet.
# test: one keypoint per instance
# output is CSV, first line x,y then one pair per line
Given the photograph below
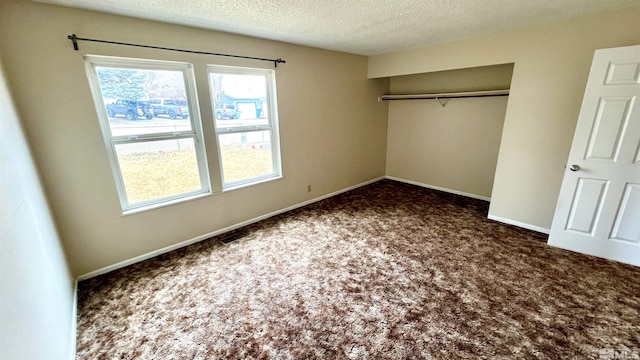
x,y
387,271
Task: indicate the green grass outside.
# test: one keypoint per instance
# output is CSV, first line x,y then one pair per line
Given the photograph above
x,y
152,175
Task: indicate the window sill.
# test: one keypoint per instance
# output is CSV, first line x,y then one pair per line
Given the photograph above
x,y
244,185
196,197
164,204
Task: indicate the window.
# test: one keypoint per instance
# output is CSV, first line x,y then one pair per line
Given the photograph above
x,y
155,147
245,123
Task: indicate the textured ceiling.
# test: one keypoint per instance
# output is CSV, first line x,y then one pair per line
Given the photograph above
x,y
365,27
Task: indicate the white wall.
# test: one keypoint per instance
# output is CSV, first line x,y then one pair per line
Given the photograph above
x,y
551,69
36,293
332,129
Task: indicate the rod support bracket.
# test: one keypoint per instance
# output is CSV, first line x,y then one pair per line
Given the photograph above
x,y
443,101
74,40
278,60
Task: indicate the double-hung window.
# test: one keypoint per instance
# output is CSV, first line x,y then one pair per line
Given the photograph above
x,y
244,106
157,157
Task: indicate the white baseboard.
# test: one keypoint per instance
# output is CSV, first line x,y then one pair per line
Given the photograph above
x,y
179,245
519,224
462,193
74,320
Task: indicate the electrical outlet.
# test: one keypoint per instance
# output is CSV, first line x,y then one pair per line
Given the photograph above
x,y
308,188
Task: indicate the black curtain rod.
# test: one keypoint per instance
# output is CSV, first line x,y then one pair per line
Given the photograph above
x,y
75,40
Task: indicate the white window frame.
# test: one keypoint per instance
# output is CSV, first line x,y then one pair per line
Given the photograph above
x,y
271,126
93,61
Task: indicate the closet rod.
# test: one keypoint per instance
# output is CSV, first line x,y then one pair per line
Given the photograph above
x,y
74,39
452,95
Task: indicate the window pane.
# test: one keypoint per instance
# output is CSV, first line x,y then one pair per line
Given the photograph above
x,y
243,102
144,101
239,100
122,127
157,169
246,155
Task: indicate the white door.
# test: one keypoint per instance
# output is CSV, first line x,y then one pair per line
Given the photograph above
x,y
598,211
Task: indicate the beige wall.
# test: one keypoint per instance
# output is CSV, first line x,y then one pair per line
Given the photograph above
x,y
332,129
551,69
454,147
37,289
495,77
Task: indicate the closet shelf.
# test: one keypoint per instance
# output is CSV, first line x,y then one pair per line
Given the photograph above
x,y
452,95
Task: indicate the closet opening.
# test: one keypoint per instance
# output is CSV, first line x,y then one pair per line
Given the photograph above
x,y
448,143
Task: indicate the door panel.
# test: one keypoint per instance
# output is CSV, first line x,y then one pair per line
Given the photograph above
x,y
627,226
623,72
587,204
611,120
598,211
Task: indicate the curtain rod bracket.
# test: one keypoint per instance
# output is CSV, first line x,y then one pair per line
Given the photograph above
x,y
74,39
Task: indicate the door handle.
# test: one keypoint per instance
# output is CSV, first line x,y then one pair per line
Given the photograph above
x,y
574,167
